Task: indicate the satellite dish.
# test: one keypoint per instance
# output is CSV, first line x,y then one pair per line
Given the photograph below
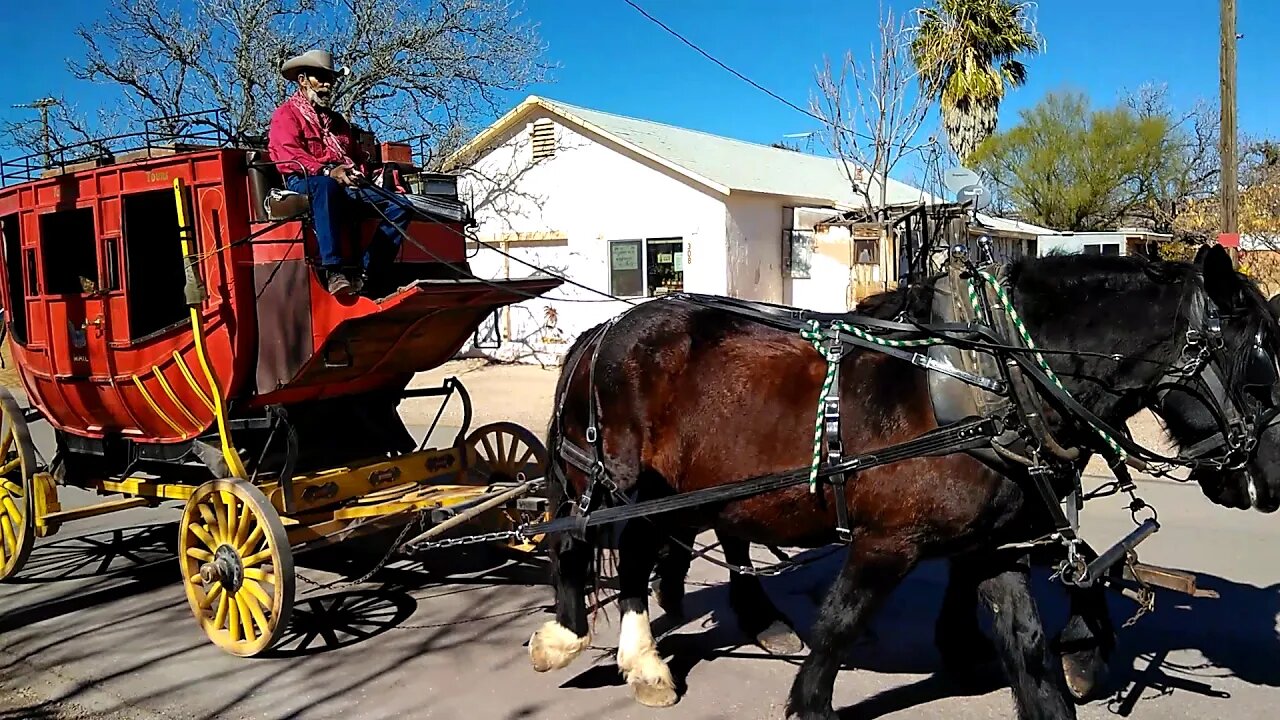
x,y
958,178
980,196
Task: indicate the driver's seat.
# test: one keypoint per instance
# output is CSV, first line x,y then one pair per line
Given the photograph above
x,y
269,199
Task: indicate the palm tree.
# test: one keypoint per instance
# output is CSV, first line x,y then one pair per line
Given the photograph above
x,y
966,53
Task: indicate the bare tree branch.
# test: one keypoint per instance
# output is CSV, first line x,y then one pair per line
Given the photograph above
x,y
873,111
418,67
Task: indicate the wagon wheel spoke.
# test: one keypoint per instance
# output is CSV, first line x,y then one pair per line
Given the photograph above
x,y
518,452
17,464
245,575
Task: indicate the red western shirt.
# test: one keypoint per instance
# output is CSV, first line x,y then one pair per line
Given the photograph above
x,y
293,140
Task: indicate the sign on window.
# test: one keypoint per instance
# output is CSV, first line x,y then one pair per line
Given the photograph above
x,y
626,277
625,256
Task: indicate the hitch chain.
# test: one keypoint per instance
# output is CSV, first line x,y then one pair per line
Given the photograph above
x,y
1146,597
498,536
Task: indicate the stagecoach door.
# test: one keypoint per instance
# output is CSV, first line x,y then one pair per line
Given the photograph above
x,y
75,292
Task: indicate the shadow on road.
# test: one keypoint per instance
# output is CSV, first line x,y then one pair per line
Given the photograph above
x,y
1236,634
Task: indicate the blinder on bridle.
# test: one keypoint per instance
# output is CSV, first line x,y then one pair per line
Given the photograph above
x,y
1238,389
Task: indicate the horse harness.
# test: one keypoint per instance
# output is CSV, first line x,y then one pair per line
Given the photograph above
x,y
976,342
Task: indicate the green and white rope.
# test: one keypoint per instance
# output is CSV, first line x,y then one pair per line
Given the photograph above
x,y
814,334
1007,303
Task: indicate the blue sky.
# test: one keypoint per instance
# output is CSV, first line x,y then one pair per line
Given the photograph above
x,y
611,58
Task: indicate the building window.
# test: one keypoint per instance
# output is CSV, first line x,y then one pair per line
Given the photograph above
x,y
1102,249
664,266
797,248
866,252
646,268
69,252
543,138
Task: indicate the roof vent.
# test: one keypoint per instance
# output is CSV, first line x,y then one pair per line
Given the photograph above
x,y
543,136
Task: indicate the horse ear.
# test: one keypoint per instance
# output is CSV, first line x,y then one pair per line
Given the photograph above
x,y
1220,279
1200,253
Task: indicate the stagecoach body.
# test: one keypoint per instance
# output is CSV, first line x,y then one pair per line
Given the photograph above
x,y
167,321
93,286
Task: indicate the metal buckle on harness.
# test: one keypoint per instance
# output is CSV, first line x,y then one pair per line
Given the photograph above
x,y
592,435
584,501
599,477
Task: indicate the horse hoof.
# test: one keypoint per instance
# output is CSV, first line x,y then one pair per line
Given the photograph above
x,y
655,696
778,639
554,646
1084,674
649,678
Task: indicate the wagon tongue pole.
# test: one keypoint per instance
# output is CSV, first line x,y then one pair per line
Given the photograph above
x,y
1117,552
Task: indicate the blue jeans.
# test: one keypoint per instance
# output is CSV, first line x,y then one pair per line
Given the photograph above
x,y
332,204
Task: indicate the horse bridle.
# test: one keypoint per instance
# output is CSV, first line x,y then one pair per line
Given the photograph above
x,y
1200,373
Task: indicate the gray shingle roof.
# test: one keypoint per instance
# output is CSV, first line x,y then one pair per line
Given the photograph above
x,y
735,164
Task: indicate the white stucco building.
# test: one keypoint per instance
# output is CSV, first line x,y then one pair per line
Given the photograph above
x,y
637,209
1125,241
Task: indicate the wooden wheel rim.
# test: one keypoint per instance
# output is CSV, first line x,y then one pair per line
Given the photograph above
x,y
17,462
506,450
237,566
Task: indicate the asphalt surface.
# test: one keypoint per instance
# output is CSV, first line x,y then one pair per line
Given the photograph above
x,y
97,626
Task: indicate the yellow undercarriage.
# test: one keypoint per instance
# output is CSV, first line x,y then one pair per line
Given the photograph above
x,y
326,506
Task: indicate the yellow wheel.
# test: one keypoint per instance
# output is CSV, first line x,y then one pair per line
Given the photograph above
x,y
17,464
505,452
237,566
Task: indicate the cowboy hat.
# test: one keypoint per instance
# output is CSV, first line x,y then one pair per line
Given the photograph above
x,y
311,59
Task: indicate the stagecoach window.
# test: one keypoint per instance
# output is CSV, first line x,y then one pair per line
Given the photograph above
x,y
112,280
153,263
69,252
15,304
33,277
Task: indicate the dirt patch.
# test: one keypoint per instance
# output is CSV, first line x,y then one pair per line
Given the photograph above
x,y
521,394
9,373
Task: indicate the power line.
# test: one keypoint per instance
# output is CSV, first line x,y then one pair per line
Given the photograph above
x,y
757,85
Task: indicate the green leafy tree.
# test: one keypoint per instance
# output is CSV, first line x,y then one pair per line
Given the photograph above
x,y
1071,167
967,54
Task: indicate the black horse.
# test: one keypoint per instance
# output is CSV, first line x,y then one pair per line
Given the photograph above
x,y
691,396
1085,642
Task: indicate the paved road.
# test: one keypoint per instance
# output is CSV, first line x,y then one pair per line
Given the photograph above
x,y
98,627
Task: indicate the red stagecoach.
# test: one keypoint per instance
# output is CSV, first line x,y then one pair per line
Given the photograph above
x,y
167,321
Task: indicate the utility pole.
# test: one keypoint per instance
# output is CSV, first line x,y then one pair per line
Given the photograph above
x,y
43,105
1230,219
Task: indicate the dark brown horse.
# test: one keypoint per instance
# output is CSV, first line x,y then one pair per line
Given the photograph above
x,y
691,396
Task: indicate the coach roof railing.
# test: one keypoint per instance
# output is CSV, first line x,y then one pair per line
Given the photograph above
x,y
159,137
